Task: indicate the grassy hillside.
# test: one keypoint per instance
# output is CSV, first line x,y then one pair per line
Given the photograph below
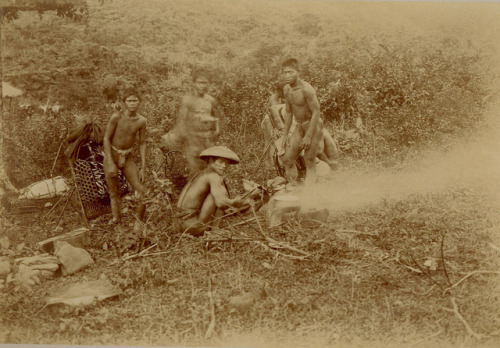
x,y
409,254
415,73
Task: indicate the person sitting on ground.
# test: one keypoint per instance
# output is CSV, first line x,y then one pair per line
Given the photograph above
x,y
206,195
122,130
197,126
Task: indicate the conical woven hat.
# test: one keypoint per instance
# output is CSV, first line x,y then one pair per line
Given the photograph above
x,y
220,151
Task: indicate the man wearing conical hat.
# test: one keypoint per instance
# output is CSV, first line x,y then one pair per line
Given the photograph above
x,y
206,194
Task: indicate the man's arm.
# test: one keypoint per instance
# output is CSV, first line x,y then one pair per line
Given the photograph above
x,y
313,103
288,114
219,192
180,124
142,150
218,113
108,135
275,116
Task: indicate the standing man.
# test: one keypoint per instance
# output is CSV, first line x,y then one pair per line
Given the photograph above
x,y
124,127
303,105
197,126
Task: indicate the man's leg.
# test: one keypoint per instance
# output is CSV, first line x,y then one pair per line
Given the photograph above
x,y
193,161
208,210
291,154
132,174
267,130
310,157
197,226
112,181
331,151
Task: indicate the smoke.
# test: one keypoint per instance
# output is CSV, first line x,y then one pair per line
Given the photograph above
x,y
471,162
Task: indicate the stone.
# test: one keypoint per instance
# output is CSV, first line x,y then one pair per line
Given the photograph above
x,y
279,207
72,258
4,267
79,238
83,293
243,303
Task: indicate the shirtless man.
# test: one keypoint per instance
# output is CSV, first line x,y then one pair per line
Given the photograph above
x,y
121,132
206,196
303,105
197,126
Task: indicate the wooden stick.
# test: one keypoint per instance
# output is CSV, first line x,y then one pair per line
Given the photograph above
x,y
55,205
442,261
280,253
494,247
461,318
140,253
55,160
354,231
64,208
261,159
275,242
467,276
426,338
211,326
147,255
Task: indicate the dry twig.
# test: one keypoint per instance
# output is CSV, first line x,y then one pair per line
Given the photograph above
x,y
494,247
442,261
426,338
211,326
140,253
467,276
275,243
461,318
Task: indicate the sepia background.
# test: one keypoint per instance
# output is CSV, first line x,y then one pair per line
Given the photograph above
x,y
412,211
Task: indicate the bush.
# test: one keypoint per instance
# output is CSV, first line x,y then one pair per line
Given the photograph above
x,y
409,90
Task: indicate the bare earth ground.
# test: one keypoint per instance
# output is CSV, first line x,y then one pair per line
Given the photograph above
x,y
369,279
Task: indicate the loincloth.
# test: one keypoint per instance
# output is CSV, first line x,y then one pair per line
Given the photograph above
x,y
123,155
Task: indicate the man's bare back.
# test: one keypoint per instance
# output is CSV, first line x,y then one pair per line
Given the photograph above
x,y
207,182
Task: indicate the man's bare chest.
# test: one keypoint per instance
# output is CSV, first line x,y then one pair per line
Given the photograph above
x,y
296,97
128,126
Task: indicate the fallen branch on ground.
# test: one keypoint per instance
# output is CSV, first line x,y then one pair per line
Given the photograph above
x,y
355,232
211,326
442,261
426,338
461,318
276,244
467,276
494,247
140,253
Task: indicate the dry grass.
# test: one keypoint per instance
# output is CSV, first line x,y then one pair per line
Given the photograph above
x,y
366,280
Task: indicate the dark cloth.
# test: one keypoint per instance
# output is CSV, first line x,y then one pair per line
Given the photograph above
x,y
91,131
